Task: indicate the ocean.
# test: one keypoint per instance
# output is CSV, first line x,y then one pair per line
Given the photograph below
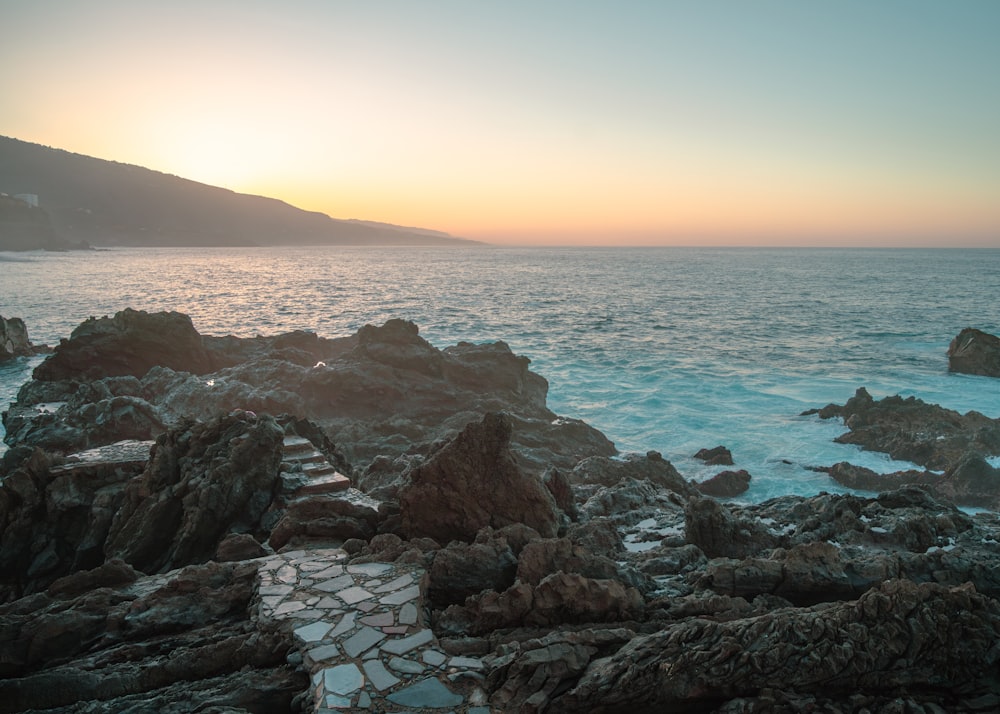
x,y
666,349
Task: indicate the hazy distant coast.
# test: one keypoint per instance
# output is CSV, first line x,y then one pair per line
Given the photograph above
x,y
87,201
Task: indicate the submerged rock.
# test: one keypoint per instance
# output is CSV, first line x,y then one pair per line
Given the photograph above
x,y
975,352
725,484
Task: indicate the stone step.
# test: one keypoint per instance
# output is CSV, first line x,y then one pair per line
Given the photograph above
x,y
316,469
328,483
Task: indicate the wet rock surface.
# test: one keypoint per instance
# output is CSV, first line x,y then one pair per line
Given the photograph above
x,y
415,531
975,352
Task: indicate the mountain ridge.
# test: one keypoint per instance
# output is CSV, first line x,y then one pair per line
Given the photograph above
x,y
89,201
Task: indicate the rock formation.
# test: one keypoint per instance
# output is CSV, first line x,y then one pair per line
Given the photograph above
x,y
14,339
473,482
975,352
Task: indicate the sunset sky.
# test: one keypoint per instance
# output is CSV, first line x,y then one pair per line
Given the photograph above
x,y
871,122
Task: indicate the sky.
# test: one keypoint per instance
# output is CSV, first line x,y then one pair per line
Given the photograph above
x,y
704,122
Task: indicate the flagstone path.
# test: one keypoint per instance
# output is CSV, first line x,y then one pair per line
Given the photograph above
x,y
363,635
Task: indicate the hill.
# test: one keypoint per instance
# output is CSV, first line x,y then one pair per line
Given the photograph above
x,y
84,200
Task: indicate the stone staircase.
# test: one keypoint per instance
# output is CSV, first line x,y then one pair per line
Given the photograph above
x,y
305,471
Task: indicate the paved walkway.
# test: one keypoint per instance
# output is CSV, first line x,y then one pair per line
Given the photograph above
x,y
363,635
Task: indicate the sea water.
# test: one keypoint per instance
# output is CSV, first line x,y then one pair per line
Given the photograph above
x,y
666,349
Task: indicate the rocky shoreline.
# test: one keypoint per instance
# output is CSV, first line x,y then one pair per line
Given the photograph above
x,y
299,524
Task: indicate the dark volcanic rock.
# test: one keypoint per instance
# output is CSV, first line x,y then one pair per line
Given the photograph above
x,y
912,430
14,340
975,352
971,482
130,343
54,519
893,638
473,482
718,532
180,642
718,456
203,480
464,569
725,484
652,467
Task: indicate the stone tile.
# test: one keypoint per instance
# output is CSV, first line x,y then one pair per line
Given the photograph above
x,y
398,598
354,595
281,590
362,640
345,625
370,569
314,565
307,615
343,679
290,606
434,658
406,644
429,693
365,701
323,653
335,584
328,603
383,619
466,662
406,666
272,601
366,606
379,676
331,571
336,701
396,630
401,582
313,632
408,614
288,574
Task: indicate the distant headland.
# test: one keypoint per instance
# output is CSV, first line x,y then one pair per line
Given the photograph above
x,y
56,200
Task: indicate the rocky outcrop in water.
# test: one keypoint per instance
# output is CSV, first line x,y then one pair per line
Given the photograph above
x,y
912,430
14,340
975,352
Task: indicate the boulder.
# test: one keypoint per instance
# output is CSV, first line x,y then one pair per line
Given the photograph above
x,y
651,467
327,517
130,343
975,352
717,456
471,482
464,569
725,484
203,480
719,533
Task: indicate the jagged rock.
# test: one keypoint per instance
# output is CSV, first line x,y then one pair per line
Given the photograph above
x,y
970,482
130,343
525,676
166,643
975,352
54,519
543,557
713,528
652,467
14,340
912,430
473,482
717,456
464,569
238,546
559,598
725,484
562,492
630,501
598,535
203,480
891,638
